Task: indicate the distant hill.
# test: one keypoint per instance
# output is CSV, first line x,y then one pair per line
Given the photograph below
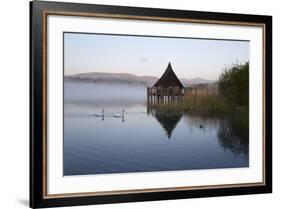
x,y
194,81
127,78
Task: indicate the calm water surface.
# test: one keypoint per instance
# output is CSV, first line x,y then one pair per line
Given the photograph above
x,y
143,138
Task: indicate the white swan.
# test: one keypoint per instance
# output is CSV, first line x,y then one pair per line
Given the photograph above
x,y
117,115
99,114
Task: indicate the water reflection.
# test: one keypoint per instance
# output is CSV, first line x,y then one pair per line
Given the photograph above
x,y
232,130
167,115
233,134
100,138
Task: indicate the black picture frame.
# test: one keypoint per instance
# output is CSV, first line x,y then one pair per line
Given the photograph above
x,y
38,12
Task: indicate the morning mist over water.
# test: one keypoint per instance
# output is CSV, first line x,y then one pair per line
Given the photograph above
x,y
141,139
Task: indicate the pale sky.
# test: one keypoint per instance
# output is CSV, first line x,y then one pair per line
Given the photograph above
x,y
190,58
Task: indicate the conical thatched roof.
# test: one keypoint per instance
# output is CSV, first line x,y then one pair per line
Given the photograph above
x,y
168,79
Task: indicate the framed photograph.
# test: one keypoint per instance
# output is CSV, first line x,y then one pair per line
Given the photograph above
x,y
139,104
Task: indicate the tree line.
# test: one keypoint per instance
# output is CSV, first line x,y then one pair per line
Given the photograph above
x,y
233,85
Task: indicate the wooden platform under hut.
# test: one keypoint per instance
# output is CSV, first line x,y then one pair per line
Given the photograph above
x,y
201,90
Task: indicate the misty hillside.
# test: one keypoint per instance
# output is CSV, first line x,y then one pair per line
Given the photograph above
x,y
127,78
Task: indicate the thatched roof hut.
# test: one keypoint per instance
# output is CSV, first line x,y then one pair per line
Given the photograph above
x,y
169,79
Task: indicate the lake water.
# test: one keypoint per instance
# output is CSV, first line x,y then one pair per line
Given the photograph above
x,y
143,138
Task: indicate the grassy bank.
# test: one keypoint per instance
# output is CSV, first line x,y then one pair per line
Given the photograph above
x,y
233,96
207,104
204,105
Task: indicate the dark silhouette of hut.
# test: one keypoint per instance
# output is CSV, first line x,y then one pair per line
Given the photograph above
x,y
168,121
167,88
